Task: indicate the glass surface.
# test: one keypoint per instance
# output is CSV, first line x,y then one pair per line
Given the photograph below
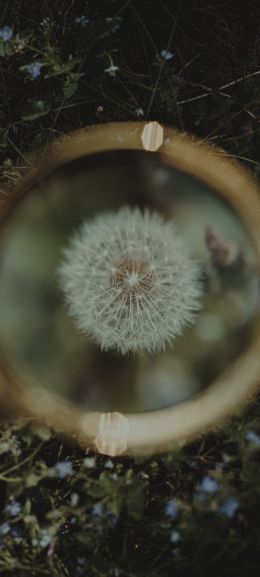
x,y
40,337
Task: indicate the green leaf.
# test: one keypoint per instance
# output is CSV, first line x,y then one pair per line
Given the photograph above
x,y
35,109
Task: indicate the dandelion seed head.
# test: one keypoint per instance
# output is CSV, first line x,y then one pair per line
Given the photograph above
x,y
129,281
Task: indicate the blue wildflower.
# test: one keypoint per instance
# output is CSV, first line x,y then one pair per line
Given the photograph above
x,y
166,55
34,69
229,507
46,539
17,533
64,468
89,462
116,23
139,112
4,528
109,464
112,70
172,509
253,437
81,20
6,33
98,509
175,537
13,508
209,485
74,499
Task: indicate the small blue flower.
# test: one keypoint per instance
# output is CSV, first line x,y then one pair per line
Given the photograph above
x,y
172,509
112,70
64,468
98,509
116,23
229,507
17,533
166,55
209,485
253,437
6,33
81,560
81,20
109,464
13,508
139,113
46,539
191,462
34,69
74,499
4,528
175,537
89,462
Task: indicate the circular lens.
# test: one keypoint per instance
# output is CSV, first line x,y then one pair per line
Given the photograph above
x,y
166,295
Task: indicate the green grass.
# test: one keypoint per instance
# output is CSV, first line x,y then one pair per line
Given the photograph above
x,y
215,45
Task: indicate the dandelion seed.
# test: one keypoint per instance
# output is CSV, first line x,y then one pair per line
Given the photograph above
x,y
166,55
6,33
34,69
129,281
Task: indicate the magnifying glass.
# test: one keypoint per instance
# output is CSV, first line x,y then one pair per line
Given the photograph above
x,y
129,293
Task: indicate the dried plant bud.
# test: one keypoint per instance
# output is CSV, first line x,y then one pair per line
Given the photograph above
x,y
223,253
129,281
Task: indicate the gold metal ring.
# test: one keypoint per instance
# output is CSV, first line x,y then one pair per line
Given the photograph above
x,y
153,431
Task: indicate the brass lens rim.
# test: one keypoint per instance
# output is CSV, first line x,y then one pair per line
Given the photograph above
x,y
154,431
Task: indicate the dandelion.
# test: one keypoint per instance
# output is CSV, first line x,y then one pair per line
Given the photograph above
x,y
64,468
34,69
229,507
166,55
6,33
129,281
